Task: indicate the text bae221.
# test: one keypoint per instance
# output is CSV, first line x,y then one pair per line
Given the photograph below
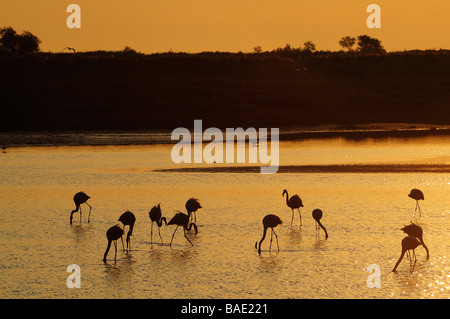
x,y
226,308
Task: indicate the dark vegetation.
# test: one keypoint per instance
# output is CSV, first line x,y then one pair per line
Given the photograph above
x,y
286,87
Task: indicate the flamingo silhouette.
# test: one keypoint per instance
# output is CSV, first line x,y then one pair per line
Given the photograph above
x,y
192,205
69,48
155,216
408,243
113,234
294,203
181,219
317,215
416,231
129,219
417,195
80,198
269,221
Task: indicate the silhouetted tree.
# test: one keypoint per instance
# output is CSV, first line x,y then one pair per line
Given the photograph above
x,y
8,40
347,43
309,46
368,44
28,43
257,49
12,43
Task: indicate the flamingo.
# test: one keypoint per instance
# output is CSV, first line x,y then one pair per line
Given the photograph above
x,y
181,219
269,221
317,215
129,219
408,243
155,216
416,231
192,205
417,195
113,234
294,203
69,48
80,198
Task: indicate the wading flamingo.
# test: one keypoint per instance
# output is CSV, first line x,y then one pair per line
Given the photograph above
x,y
294,203
155,216
408,243
113,234
181,219
192,205
129,219
80,198
269,221
317,215
416,231
417,195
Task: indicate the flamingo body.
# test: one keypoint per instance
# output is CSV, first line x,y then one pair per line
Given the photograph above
x,y
80,198
129,219
269,221
416,231
181,219
408,243
113,234
317,215
294,202
155,215
192,205
417,195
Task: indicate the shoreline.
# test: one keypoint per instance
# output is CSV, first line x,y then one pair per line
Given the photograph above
x,y
97,138
331,168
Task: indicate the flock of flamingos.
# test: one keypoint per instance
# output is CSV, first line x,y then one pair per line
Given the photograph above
x,y
413,239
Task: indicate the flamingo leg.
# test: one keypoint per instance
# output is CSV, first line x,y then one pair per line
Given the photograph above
x,y
172,236
187,237
90,208
121,238
299,214
115,250
160,235
292,219
151,235
80,214
128,242
276,237
420,213
270,246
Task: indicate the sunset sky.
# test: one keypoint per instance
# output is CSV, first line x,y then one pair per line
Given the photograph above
x,y
152,26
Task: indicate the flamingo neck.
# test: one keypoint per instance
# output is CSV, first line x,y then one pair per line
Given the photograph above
x,y
262,239
287,198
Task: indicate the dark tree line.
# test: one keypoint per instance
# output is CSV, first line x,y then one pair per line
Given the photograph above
x,y
12,43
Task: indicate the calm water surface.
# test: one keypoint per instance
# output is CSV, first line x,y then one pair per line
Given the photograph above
x,y
363,214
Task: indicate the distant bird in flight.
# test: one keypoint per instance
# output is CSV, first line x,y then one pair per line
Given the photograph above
x,y
317,215
416,231
181,219
80,198
269,221
113,234
294,203
408,243
69,48
155,216
417,195
129,219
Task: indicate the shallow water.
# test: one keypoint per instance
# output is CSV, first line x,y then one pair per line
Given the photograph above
x,y
363,214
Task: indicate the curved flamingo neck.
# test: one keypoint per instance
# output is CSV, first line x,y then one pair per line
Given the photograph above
x,y
287,198
262,239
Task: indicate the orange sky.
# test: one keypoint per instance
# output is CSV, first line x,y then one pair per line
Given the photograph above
x,y
227,25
